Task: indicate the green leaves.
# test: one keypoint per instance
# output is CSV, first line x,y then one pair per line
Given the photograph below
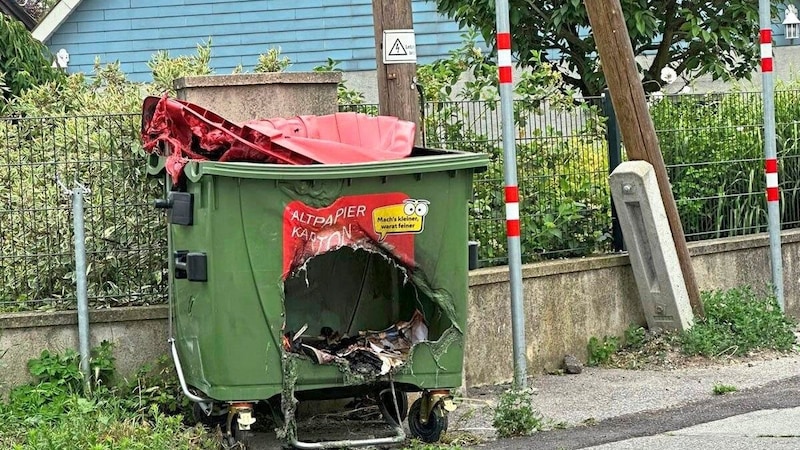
x,y
715,38
515,415
84,128
167,69
601,350
146,413
24,61
737,322
271,61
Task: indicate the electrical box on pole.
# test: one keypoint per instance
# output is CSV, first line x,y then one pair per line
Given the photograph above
x,y
396,60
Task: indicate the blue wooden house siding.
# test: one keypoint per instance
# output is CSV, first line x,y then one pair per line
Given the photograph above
x,y
307,31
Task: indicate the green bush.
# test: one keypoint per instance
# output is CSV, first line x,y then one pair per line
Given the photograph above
x,y
166,69
635,336
24,61
514,414
715,144
600,351
84,128
99,423
271,61
54,412
564,205
738,321
75,130
563,186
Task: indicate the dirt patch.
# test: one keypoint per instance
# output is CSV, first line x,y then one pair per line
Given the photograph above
x,y
662,352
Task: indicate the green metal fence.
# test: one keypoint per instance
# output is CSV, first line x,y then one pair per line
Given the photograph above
x,y
125,239
562,159
712,144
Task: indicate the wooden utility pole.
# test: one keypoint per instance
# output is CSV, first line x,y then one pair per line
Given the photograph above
x,y
397,90
638,132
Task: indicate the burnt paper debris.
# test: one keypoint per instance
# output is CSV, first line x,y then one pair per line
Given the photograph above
x,y
368,353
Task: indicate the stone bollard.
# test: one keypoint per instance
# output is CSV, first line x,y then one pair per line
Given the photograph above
x,y
648,237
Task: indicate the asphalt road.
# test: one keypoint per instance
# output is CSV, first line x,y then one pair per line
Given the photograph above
x,y
647,429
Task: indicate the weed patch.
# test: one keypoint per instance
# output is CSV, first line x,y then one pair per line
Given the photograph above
x,y
739,322
721,389
600,351
514,414
56,411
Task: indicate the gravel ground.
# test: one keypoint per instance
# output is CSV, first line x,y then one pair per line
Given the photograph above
x,y
600,393
594,395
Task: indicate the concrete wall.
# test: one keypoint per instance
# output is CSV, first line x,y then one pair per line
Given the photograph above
x,y
569,301
566,303
244,97
139,335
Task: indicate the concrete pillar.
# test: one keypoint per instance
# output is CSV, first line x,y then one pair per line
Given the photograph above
x,y
243,97
647,235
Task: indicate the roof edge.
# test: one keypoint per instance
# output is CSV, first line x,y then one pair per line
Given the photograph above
x,y
53,20
18,12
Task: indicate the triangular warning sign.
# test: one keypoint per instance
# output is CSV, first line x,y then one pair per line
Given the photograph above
x,y
398,49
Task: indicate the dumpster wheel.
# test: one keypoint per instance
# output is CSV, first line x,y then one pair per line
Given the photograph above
x,y
389,409
239,415
428,429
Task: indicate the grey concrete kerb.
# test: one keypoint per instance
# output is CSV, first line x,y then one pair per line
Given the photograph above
x,y
257,79
492,275
48,319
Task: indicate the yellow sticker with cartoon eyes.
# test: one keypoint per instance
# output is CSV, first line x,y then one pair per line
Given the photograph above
x,y
408,217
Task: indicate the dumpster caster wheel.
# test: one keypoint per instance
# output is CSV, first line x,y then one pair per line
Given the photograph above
x,y
238,439
240,415
386,406
432,429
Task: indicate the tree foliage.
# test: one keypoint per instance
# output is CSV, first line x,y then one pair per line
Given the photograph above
x,y
24,61
693,37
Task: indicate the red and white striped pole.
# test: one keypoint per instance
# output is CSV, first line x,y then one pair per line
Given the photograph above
x,y
512,192
770,153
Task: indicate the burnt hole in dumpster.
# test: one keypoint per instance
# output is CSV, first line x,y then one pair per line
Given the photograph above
x,y
359,309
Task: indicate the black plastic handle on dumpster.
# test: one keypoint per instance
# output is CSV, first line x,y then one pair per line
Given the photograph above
x,y
179,206
163,203
191,266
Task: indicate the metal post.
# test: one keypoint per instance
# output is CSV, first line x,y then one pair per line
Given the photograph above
x,y
80,277
511,192
614,159
770,153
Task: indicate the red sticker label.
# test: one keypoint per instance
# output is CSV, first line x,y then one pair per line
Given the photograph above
x,y
388,221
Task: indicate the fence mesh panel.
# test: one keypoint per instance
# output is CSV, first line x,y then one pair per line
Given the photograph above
x,y
712,145
125,240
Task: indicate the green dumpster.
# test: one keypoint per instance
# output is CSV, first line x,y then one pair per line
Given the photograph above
x,y
259,252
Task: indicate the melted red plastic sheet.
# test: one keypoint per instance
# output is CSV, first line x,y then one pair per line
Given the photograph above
x,y
194,133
